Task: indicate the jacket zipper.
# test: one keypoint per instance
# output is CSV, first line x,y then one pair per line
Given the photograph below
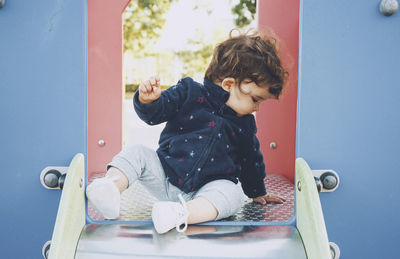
x,y
205,154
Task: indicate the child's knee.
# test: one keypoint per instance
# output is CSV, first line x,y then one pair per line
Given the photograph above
x,y
134,155
227,197
236,197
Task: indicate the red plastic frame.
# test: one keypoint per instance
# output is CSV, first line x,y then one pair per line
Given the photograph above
x,y
276,120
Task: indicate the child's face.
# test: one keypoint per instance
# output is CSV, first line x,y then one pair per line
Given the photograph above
x,y
247,99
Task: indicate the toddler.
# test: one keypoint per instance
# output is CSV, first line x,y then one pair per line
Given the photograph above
x,y
208,144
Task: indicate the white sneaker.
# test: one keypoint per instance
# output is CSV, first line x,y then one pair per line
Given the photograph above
x,y
167,215
105,196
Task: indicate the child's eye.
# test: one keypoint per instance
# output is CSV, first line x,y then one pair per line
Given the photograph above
x,y
254,99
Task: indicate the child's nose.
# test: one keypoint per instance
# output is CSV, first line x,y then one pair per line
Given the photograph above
x,y
257,107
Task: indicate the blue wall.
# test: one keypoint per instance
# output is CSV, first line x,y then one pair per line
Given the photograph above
x,y
349,120
42,113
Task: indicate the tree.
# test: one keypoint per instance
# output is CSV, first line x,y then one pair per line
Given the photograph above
x,y
244,11
195,61
143,22
197,58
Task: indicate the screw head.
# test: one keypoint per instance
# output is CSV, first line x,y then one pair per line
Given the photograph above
x,y
299,186
51,180
272,145
46,249
329,181
335,250
388,7
101,143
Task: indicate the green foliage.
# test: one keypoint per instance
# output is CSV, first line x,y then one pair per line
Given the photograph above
x,y
196,61
244,12
143,22
197,58
131,88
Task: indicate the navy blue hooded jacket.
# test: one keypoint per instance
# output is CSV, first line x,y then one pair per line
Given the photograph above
x,y
204,140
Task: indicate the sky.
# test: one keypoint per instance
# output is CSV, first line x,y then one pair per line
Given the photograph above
x,y
183,22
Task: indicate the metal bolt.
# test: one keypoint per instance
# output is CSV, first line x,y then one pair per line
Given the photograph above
x,y
81,182
101,143
272,145
299,186
388,7
329,180
51,179
46,249
318,183
335,250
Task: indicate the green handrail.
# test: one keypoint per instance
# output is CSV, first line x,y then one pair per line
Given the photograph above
x,y
71,212
310,219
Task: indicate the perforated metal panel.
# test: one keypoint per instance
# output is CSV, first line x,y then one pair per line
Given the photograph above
x,y
137,202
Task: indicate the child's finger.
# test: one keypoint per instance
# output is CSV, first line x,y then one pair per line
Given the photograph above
x,y
157,90
148,86
282,198
259,200
157,78
155,81
152,80
142,89
275,198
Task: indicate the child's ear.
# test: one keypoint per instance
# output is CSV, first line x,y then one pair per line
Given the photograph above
x,y
228,83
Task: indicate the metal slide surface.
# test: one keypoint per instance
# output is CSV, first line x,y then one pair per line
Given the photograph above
x,y
128,241
229,239
136,203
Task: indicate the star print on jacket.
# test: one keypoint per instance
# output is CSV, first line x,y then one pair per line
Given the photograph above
x,y
204,140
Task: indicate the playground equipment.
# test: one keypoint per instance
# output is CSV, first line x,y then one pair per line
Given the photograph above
x,y
60,62
302,235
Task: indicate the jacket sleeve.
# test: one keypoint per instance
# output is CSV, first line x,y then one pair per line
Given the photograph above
x,y
253,168
165,107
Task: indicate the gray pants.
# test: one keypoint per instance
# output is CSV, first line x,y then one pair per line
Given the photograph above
x,y
141,163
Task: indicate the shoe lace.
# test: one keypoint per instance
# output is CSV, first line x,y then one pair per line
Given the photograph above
x,y
183,216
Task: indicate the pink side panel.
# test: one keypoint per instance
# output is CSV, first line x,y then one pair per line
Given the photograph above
x,y
104,21
276,120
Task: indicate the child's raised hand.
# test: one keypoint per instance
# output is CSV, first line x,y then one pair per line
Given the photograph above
x,y
267,198
150,90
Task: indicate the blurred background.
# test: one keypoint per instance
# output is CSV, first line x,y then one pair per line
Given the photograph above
x,y
173,39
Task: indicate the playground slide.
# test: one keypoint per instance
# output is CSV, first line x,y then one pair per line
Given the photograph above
x,y
304,237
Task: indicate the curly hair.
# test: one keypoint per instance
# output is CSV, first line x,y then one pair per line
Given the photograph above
x,y
248,56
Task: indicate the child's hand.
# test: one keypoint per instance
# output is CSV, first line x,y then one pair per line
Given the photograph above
x,y
150,90
267,198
